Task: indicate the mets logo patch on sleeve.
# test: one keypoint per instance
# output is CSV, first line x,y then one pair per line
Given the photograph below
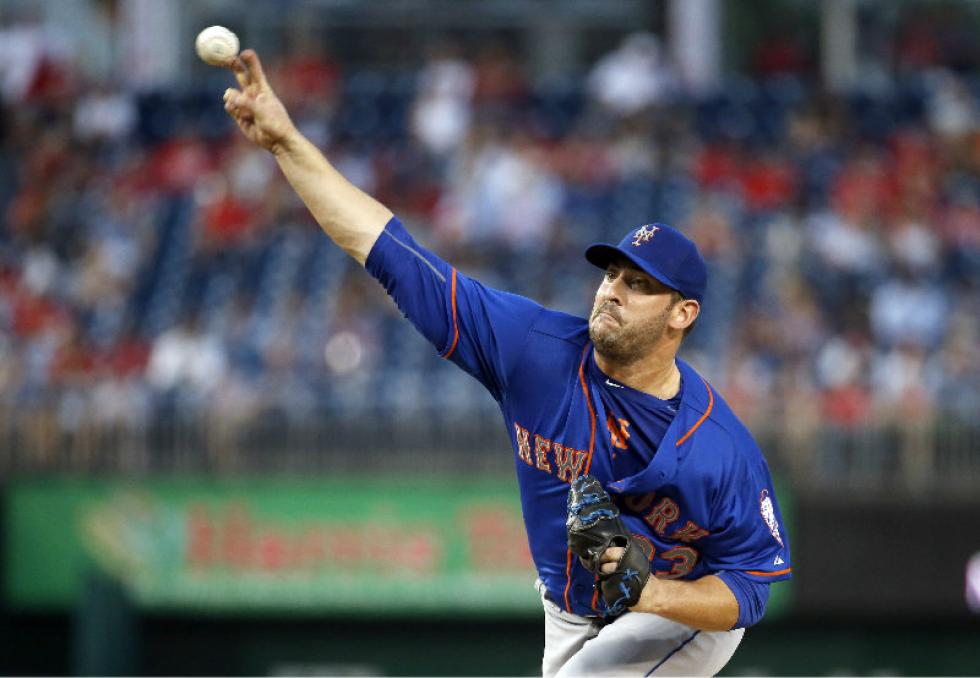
x,y
769,515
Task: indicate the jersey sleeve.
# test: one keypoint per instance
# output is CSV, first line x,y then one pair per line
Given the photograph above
x,y
481,329
751,594
748,534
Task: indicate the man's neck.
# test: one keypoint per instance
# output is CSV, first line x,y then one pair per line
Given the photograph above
x,y
655,373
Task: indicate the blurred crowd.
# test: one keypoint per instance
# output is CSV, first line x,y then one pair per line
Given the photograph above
x,y
152,262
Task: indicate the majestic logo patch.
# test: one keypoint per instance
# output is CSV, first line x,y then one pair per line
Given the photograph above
x,y
644,234
769,515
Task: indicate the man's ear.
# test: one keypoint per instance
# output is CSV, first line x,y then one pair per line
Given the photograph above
x,y
684,313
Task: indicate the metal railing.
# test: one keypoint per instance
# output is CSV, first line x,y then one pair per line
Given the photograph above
x,y
37,443
917,458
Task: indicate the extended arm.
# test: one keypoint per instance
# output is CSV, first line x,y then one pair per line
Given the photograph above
x,y
480,329
349,216
705,603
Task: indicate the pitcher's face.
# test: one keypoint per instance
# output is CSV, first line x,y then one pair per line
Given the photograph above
x,y
631,312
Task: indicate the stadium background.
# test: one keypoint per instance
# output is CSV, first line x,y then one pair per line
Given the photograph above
x,y
223,451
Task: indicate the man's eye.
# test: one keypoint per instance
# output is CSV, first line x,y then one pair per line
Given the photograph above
x,y
638,283
610,275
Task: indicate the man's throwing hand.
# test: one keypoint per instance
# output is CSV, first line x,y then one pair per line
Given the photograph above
x,y
255,107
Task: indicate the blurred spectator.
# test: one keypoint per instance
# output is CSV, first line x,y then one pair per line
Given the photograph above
x,y
149,261
186,360
908,310
849,251
442,109
917,46
782,50
768,181
959,371
914,247
841,370
104,114
227,216
308,81
500,80
952,109
34,60
632,77
902,383
179,163
308,76
502,192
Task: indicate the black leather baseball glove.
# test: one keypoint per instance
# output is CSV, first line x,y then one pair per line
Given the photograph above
x,y
593,526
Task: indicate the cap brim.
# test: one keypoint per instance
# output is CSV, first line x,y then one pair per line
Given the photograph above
x,y
600,254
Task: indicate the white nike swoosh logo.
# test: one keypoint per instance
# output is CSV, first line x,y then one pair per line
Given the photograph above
x,y
614,384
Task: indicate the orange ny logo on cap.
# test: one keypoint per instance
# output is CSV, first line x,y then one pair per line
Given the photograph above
x,y
643,234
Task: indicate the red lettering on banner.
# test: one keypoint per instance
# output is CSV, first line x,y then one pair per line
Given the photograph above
x,y
236,537
312,551
346,546
496,540
421,554
272,551
200,537
377,546
229,538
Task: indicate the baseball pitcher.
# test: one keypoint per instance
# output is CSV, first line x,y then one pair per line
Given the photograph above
x,y
649,509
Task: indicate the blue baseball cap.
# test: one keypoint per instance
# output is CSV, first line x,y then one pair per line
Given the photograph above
x,y
661,251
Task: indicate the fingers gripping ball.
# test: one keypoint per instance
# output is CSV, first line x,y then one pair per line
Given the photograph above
x,y
216,44
593,526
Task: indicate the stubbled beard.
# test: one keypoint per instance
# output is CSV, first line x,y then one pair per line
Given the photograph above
x,y
626,344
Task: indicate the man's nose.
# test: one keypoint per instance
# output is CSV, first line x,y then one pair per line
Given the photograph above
x,y
610,290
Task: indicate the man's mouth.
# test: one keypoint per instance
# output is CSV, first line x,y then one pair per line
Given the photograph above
x,y
607,312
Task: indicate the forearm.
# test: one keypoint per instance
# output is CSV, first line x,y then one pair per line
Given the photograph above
x,y
705,603
351,217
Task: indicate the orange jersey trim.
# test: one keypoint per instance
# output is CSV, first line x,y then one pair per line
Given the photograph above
x,y
455,323
595,598
769,574
711,405
588,464
568,581
588,401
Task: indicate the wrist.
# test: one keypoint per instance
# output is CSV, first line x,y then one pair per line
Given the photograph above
x,y
287,143
650,598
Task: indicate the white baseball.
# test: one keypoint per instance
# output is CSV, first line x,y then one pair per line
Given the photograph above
x,y
216,44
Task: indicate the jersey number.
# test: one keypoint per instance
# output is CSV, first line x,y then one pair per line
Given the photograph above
x,y
683,558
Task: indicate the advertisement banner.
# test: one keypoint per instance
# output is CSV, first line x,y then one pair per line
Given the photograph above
x,y
285,546
280,546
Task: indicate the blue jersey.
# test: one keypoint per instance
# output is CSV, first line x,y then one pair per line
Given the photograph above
x,y
692,482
